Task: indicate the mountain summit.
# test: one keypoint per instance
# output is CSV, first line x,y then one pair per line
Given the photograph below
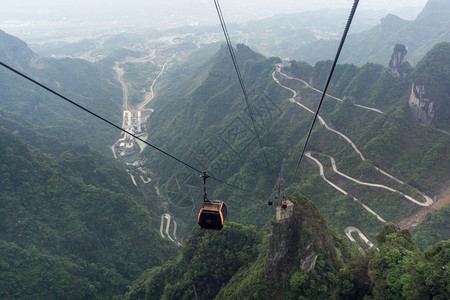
x,y
14,51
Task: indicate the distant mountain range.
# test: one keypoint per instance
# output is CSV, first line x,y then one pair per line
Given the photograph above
x,y
430,27
73,225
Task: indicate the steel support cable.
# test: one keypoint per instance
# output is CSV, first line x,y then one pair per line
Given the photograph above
x,y
341,44
241,81
114,125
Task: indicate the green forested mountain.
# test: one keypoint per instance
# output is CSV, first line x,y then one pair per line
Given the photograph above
x,y
242,263
301,259
376,45
202,118
434,229
92,85
71,225
431,88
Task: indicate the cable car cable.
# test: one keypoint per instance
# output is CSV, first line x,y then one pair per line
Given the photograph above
x,y
241,81
114,125
96,115
344,35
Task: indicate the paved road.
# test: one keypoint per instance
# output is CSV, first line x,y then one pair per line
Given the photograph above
x,y
152,94
120,73
295,99
165,217
428,200
321,120
145,181
319,91
322,174
348,231
132,178
174,232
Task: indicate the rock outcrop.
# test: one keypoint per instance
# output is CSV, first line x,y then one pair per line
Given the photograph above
x,y
423,108
398,59
298,241
430,93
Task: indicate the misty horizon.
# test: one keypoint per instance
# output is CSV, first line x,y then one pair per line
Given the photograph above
x,y
36,21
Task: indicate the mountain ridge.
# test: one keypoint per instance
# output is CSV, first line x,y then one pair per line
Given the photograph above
x,y
376,45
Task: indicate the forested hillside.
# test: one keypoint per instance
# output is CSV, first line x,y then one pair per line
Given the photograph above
x,y
92,85
301,259
434,229
202,118
75,224
71,225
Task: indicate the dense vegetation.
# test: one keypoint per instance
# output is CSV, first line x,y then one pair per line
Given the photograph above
x,y
75,220
301,259
209,260
398,270
239,264
71,225
91,85
434,229
208,107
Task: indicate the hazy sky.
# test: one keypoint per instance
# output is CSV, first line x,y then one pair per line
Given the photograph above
x,y
251,7
27,17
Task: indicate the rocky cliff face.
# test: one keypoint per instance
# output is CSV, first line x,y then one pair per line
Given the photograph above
x,y
288,250
423,108
297,243
430,93
398,59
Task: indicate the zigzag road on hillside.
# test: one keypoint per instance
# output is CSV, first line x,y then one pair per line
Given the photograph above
x,y
428,200
174,232
348,231
321,120
322,174
319,91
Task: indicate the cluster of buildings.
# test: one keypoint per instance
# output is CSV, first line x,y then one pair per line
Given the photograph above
x,y
133,122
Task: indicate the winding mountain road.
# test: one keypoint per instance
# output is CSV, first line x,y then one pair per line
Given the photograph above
x,y
132,178
348,231
322,174
321,120
151,94
319,91
165,217
145,181
174,232
428,200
